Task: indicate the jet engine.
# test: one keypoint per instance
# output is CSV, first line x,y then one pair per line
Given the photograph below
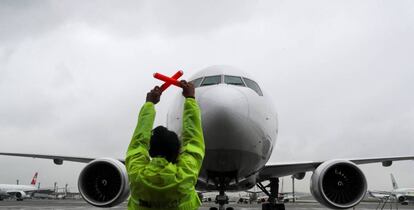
x,y
338,184
104,182
401,198
20,195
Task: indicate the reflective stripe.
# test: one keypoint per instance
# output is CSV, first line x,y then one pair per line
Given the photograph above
x,y
156,204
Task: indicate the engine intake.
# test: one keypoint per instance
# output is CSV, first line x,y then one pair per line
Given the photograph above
x,y
401,198
20,195
104,182
338,184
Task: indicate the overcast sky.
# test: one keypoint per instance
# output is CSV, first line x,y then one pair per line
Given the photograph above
x,y
73,75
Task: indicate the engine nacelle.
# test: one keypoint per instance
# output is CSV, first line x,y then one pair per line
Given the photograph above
x,y
338,184
104,182
20,195
401,198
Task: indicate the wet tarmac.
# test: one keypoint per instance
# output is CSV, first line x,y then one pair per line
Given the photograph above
x,y
81,205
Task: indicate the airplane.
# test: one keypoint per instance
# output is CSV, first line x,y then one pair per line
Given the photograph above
x,y
20,192
240,127
404,196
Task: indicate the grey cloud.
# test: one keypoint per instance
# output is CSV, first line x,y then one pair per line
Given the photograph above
x,y
24,115
5,54
25,19
129,19
63,76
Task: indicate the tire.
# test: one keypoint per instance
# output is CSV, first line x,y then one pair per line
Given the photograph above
x,y
280,206
270,206
266,206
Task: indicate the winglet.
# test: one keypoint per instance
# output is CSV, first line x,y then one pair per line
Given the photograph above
x,y
34,179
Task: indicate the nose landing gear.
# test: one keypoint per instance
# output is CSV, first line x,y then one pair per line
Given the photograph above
x,y
222,180
222,199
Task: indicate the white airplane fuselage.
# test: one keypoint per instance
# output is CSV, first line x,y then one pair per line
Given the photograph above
x,y
239,127
9,187
19,191
6,187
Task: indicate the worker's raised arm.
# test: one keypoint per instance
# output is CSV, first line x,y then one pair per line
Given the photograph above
x,y
192,153
137,154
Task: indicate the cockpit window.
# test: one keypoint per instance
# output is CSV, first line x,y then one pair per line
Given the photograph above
x,y
253,85
211,80
197,82
233,80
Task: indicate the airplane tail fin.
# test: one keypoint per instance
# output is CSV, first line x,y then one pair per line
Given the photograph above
x,y
34,179
394,183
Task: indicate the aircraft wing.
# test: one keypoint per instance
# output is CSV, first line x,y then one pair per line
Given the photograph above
x,y
57,159
286,169
379,194
291,195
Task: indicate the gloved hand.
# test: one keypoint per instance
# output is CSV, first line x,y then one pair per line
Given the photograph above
x,y
154,95
188,89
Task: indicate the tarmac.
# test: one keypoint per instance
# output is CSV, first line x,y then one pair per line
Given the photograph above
x,y
82,205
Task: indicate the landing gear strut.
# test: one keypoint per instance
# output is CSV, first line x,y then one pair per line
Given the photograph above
x,y
273,202
222,199
222,181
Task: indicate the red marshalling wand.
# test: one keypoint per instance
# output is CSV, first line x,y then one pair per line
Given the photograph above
x,y
169,80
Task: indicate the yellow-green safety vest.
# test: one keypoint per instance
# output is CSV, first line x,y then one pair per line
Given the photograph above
x,y
156,183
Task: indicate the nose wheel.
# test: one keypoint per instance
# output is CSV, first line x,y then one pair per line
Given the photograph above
x,y
271,206
215,208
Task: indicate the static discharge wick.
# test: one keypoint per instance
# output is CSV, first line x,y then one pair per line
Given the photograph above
x,y
169,80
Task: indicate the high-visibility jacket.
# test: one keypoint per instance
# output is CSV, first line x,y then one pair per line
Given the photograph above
x,y
156,183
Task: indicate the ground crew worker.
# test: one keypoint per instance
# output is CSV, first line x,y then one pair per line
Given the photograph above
x,y
162,173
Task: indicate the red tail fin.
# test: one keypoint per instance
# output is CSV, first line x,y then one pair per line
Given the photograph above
x,y
34,179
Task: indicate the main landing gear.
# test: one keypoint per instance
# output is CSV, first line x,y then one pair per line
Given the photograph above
x,y
273,202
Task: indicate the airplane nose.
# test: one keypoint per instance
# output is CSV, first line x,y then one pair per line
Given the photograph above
x,y
219,100
224,111
233,140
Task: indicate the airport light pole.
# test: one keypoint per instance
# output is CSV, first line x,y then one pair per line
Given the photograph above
x,y
293,190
